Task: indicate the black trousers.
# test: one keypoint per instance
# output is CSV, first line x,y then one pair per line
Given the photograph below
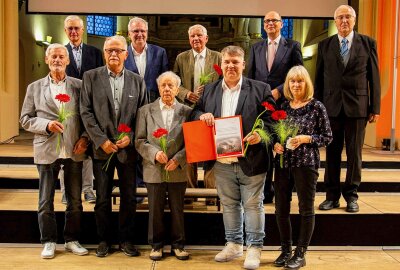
x,y
157,193
127,208
352,132
305,181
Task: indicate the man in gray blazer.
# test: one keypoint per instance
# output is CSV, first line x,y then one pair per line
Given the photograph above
x,y
167,113
189,66
111,95
56,143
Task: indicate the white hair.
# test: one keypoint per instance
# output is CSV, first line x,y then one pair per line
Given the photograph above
x,y
352,11
136,20
73,18
198,26
56,46
116,37
171,75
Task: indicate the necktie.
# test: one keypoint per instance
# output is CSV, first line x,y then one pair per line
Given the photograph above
x,y
344,49
78,58
197,71
271,54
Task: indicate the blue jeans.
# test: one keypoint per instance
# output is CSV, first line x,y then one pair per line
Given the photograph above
x,y
242,200
48,174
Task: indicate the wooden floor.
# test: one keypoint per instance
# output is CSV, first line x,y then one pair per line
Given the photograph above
x,y
29,258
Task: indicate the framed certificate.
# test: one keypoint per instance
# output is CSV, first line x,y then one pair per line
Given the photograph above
x,y
204,143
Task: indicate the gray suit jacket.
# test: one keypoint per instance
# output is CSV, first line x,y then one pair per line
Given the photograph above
x,y
98,113
39,109
184,68
149,119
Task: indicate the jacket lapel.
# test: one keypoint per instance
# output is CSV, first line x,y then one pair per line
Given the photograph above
x,y
262,57
355,47
178,113
107,87
156,114
149,60
191,68
47,95
72,58
242,96
218,99
282,49
132,59
336,51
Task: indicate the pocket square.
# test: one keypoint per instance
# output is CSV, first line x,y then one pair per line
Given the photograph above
x,y
130,96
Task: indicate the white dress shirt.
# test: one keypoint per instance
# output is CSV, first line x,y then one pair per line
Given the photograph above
x,y
167,113
140,60
277,40
349,39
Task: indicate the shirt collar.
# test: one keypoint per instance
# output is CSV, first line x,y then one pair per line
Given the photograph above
x,y
73,46
349,37
277,40
202,53
163,105
111,74
237,87
57,83
135,53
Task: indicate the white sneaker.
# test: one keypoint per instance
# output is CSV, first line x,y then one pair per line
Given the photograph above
x,y
253,256
75,248
48,250
230,252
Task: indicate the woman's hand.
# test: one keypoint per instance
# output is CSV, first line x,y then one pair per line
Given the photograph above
x,y
172,164
278,148
300,139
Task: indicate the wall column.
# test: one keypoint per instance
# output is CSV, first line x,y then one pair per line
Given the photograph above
x,y
9,113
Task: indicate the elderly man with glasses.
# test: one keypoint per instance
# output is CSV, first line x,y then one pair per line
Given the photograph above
x,y
111,96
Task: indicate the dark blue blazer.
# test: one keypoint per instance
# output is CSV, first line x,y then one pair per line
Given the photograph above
x,y
252,94
288,55
91,58
156,63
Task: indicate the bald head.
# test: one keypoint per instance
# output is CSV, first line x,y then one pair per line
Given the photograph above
x,y
273,24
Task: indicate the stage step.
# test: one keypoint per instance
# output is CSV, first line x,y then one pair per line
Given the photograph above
x,y
376,224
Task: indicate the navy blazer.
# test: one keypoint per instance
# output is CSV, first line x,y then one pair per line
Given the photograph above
x,y
156,64
288,55
355,88
91,58
252,94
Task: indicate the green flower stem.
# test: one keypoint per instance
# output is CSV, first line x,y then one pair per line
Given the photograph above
x,y
252,130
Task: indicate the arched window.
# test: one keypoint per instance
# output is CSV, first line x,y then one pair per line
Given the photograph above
x,y
286,31
101,25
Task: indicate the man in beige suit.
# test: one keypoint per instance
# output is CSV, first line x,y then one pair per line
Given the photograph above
x,y
189,66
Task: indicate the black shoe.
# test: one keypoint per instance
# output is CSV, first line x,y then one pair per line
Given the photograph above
x,y
103,249
352,207
129,249
328,205
298,260
285,255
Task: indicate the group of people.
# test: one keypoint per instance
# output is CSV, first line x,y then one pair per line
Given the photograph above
x,y
135,90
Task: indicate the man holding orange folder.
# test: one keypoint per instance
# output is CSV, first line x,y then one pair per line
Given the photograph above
x,y
239,181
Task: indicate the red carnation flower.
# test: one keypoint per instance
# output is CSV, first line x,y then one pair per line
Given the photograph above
x,y
217,69
160,132
63,98
123,128
268,106
279,115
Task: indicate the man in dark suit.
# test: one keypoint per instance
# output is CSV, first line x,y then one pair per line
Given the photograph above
x,y
147,60
269,62
347,82
82,57
111,96
239,181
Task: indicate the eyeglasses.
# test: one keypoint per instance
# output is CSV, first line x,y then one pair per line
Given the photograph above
x,y
343,17
117,51
274,21
76,28
138,31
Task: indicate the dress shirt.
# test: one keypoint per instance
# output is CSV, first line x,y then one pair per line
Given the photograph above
x,y
199,62
167,113
349,39
277,40
230,98
117,85
140,60
55,89
77,52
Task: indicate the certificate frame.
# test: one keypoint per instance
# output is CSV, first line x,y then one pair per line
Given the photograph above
x,y
228,137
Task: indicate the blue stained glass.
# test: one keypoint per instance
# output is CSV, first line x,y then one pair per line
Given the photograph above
x,y
286,31
101,25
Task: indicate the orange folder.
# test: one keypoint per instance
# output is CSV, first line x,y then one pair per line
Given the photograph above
x,y
199,141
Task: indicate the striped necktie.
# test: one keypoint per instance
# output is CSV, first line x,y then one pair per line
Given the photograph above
x,y
344,49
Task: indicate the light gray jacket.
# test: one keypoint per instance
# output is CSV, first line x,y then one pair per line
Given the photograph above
x,y
39,109
149,119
